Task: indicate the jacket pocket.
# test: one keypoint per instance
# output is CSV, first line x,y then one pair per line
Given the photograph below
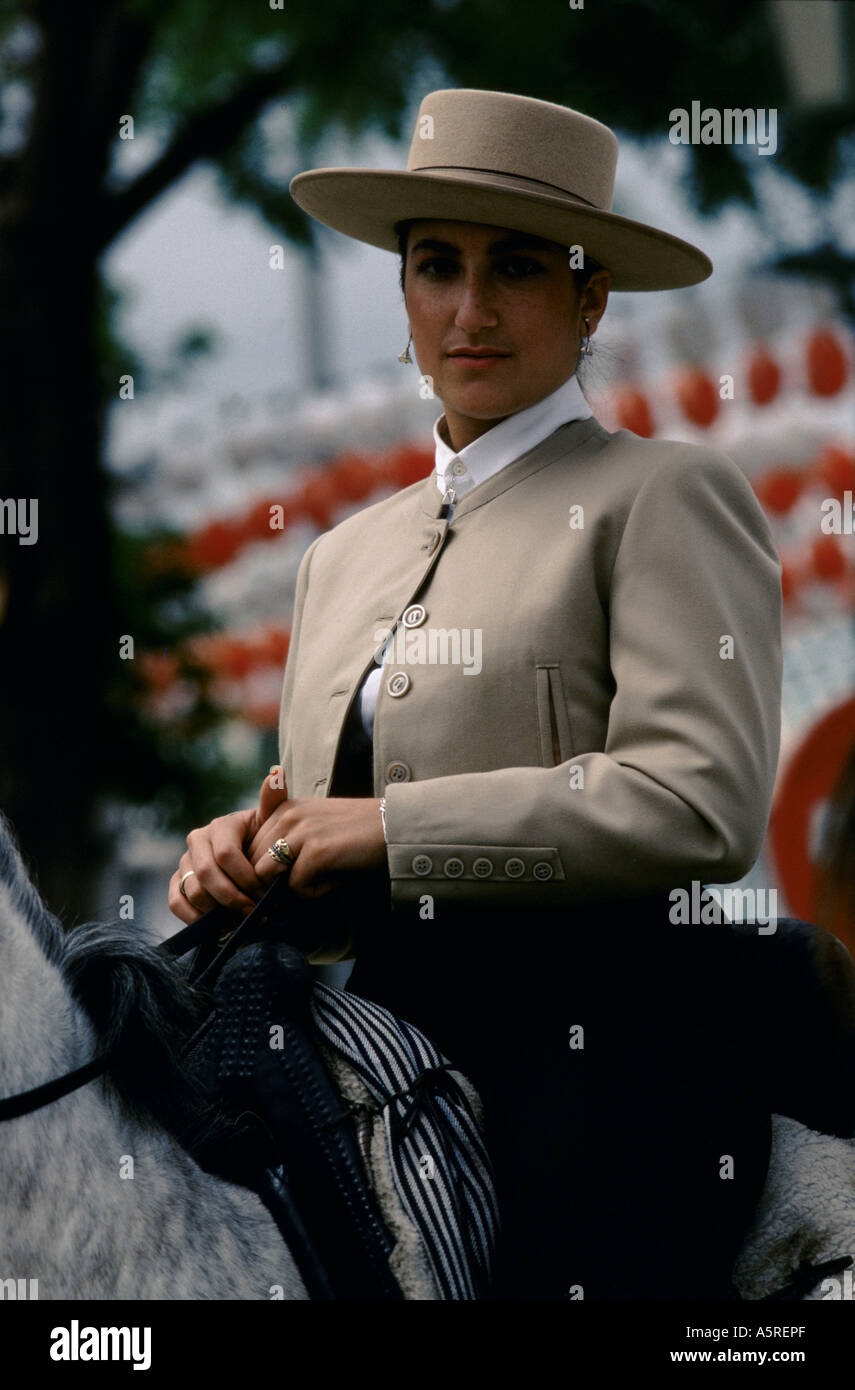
x,y
556,742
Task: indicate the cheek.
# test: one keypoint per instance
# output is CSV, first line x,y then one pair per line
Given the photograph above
x,y
429,320
427,305
544,325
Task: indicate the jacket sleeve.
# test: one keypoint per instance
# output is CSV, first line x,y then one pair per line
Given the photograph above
x,y
340,947
683,786
293,646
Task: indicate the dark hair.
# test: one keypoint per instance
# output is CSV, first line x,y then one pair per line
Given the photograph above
x,y
581,275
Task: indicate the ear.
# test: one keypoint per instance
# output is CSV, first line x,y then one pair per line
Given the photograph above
x,y
595,297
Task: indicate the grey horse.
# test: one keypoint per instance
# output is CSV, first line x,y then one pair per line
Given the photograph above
x,y
99,1197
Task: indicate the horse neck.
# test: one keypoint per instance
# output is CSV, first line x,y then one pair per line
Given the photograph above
x,y
88,1191
43,1032
89,1196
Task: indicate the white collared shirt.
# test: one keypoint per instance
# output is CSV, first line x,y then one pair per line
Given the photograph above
x,y
478,461
507,441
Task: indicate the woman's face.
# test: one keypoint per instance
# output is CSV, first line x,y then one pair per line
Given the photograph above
x,y
468,288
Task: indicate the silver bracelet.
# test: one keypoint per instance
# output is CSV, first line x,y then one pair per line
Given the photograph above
x,y
383,817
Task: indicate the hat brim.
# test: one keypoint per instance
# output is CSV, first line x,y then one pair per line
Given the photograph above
x,y
366,203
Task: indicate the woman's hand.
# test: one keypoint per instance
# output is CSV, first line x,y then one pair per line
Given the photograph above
x,y
324,834
221,872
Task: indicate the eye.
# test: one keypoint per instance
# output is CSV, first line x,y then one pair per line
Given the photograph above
x,y
437,267
519,267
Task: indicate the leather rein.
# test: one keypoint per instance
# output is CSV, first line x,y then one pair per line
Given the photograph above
x,y
207,930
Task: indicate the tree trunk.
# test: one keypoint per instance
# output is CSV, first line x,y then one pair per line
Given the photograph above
x,y
59,631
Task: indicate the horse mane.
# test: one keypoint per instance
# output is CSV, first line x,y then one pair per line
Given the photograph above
x,y
139,1002
24,898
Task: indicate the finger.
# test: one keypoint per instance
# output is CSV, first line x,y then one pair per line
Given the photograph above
x,y
194,891
273,792
195,894
209,885
251,828
180,906
279,826
227,838
212,886
314,888
311,876
267,867
305,877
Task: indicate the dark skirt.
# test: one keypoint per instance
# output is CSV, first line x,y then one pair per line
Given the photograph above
x,y
629,1070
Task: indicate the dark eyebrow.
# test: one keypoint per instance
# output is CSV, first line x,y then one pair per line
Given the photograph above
x,y
523,243
444,248
496,248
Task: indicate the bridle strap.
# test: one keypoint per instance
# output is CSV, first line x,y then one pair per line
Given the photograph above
x,y
241,930
205,929
193,935
14,1106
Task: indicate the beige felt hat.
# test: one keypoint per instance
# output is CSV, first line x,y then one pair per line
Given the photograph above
x,y
507,161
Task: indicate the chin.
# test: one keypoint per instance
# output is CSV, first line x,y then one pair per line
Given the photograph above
x,y
483,402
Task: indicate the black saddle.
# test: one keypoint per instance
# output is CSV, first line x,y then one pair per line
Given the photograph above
x,y
293,1137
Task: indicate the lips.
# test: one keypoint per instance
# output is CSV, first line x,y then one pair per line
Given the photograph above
x,y
477,359
477,352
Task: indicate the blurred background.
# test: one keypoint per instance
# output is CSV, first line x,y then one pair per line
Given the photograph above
x,y
197,380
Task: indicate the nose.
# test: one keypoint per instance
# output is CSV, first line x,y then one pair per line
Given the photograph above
x,y
474,310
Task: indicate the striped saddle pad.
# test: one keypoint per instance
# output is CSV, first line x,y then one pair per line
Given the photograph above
x,y
421,1141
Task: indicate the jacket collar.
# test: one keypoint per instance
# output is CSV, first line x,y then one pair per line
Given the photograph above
x,y
512,437
565,440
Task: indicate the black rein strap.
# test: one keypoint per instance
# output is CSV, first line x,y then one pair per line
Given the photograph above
x,y
14,1106
204,931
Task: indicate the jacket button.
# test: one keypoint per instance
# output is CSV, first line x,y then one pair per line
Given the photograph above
x,y
422,864
433,542
514,867
542,869
398,772
414,615
453,868
482,868
398,684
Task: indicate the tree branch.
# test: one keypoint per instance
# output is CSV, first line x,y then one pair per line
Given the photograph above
x,y
205,134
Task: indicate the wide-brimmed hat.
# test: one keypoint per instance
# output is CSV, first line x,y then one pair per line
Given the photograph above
x,y
507,161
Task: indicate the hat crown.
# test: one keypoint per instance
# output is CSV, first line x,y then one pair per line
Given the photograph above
x,y
519,137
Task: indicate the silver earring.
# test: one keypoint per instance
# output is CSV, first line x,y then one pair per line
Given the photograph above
x,y
585,348
405,355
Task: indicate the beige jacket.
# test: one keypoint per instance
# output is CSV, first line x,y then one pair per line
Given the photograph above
x,y
622,733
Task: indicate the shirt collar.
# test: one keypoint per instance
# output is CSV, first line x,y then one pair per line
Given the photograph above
x,y
510,439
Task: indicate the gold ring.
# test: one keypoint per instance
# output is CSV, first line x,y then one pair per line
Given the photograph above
x,y
282,853
181,884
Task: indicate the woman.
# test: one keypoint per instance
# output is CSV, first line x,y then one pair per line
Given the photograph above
x,y
526,700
